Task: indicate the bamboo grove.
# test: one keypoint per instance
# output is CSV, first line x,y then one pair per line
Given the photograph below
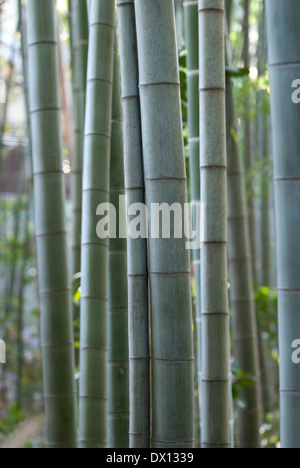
x,y
157,205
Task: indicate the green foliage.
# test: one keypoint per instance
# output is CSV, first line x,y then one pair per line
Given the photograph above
x,y
255,91
270,431
240,381
76,293
266,300
13,418
259,178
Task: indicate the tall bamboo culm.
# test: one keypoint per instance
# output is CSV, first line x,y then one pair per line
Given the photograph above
x,y
139,348
169,261
267,363
80,35
192,44
248,150
284,63
51,236
89,2
214,289
96,186
118,365
241,284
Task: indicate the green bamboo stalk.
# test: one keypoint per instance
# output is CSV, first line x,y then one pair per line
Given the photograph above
x,y
12,266
192,44
24,51
263,154
21,309
55,295
284,58
94,285
229,12
249,156
179,19
27,236
80,34
8,85
118,365
243,308
16,225
169,261
89,3
214,296
264,221
139,348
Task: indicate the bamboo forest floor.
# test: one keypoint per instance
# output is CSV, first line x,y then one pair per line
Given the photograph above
x,y
29,434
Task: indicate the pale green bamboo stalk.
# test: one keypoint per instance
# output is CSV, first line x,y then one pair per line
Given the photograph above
x,y
80,34
263,154
284,63
169,261
214,295
179,19
27,236
264,221
139,348
24,50
241,290
21,308
248,152
12,266
118,363
96,184
229,12
8,84
89,3
192,44
51,236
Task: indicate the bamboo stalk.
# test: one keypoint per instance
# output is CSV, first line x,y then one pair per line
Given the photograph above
x,y
169,261
179,20
241,290
192,43
89,3
51,237
284,64
93,337
240,268
21,304
139,348
80,34
28,190
249,156
24,50
65,107
8,85
264,220
214,297
118,365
